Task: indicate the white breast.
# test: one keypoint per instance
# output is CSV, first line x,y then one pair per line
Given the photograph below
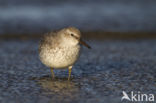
x,y
59,57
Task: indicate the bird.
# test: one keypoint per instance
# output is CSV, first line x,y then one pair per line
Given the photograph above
x,y
61,49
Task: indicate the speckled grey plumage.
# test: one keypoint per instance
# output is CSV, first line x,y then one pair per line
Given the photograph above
x,y
60,49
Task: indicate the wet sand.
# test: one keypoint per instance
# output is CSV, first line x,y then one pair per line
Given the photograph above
x,y
100,75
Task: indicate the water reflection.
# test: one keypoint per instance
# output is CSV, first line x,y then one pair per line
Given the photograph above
x,y
58,85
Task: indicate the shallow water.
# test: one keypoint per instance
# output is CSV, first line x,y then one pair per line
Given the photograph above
x,y
100,75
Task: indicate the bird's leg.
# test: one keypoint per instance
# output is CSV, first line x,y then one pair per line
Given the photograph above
x,y
69,71
52,72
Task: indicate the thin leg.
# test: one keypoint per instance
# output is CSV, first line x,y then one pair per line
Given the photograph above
x,y
69,71
52,73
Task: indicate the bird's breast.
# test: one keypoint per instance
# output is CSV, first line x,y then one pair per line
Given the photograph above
x,y
60,57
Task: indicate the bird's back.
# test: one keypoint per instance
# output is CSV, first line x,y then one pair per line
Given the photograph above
x,y
48,39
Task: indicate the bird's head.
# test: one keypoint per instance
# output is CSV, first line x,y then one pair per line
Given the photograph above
x,y
72,36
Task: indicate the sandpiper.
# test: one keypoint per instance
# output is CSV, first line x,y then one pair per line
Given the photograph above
x,y
60,49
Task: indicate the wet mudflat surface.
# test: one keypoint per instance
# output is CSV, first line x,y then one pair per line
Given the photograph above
x,y
100,75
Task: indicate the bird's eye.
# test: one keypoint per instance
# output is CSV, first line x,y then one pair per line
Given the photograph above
x,y
72,34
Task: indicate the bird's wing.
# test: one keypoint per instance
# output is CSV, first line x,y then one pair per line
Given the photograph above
x,y
48,39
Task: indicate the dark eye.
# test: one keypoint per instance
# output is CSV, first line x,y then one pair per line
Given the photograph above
x,y
72,34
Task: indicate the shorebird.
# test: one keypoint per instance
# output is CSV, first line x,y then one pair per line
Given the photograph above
x,y
60,49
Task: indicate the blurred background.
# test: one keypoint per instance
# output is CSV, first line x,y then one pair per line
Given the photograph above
x,y
39,16
122,34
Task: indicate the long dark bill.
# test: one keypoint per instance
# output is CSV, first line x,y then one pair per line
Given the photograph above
x,y
84,43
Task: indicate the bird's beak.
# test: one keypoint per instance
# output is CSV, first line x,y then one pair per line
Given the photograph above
x,y
84,43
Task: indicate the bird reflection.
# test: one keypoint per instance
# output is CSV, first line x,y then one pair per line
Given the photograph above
x,y
58,85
